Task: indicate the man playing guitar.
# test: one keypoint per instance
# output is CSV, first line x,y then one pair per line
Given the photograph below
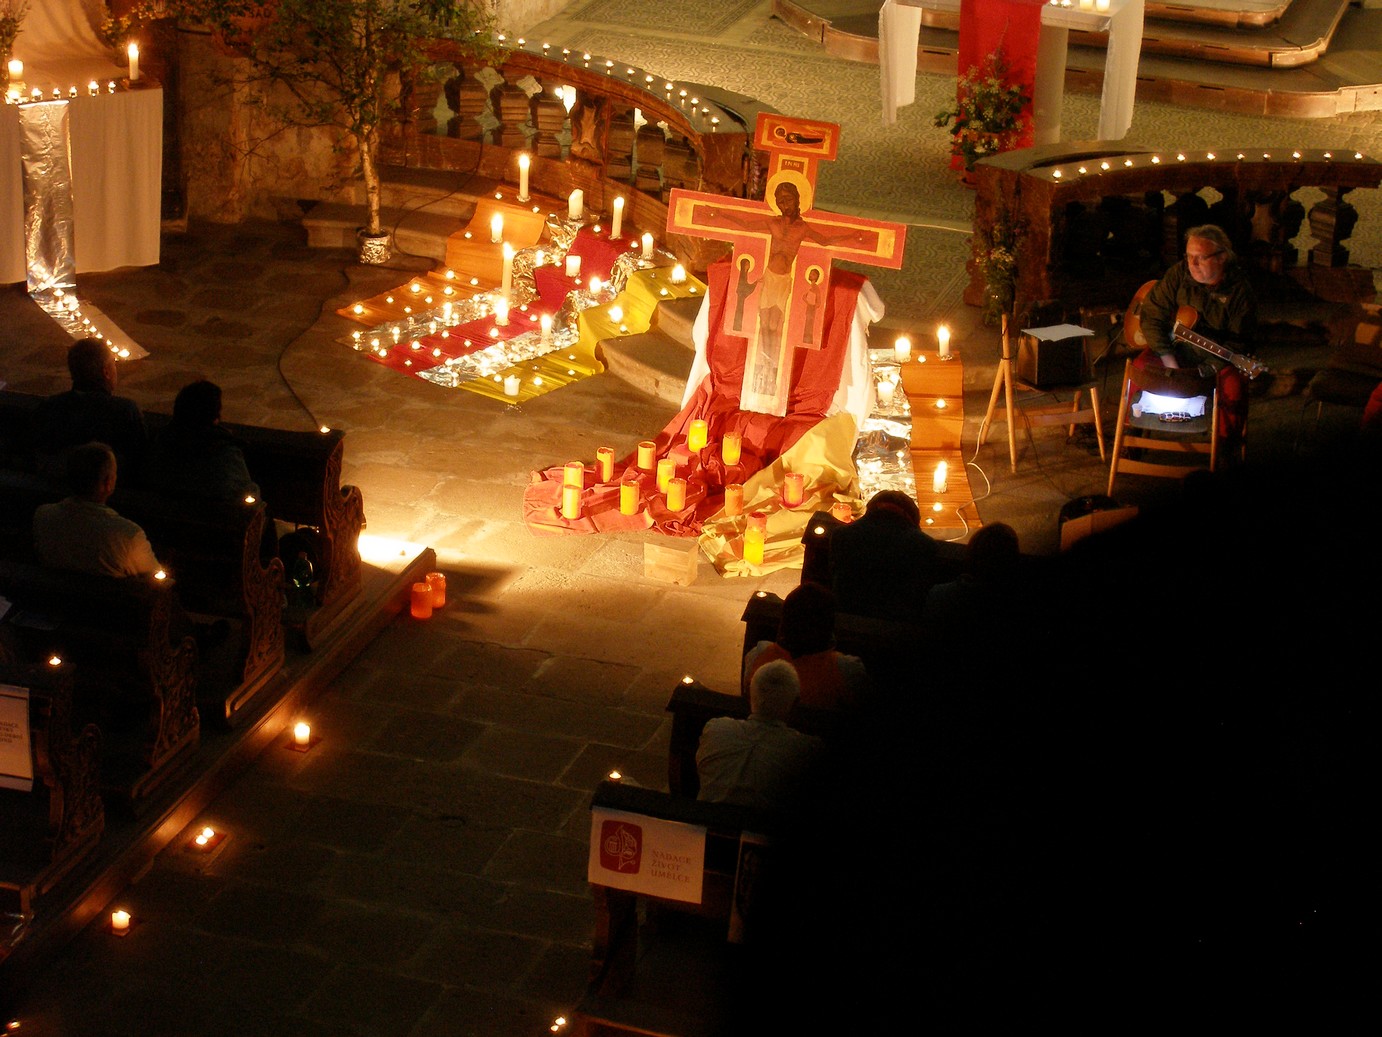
x,y
1210,282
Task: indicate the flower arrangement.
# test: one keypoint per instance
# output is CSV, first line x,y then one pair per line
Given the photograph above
x,y
995,257
12,12
986,117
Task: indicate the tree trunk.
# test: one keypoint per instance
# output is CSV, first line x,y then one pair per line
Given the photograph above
x,y
369,152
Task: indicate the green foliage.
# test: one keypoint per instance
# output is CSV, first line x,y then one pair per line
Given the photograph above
x,y
986,117
996,258
12,13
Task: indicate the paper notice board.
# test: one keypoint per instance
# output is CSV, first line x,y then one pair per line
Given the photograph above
x,y
16,755
646,855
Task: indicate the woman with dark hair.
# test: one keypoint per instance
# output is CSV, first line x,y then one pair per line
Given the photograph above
x,y
195,456
806,638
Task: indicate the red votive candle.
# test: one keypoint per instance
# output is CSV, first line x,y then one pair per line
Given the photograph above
x,y
422,601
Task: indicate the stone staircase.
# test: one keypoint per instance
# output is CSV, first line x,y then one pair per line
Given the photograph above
x,y
657,361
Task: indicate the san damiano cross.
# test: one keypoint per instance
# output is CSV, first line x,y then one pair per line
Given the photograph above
x,y
783,249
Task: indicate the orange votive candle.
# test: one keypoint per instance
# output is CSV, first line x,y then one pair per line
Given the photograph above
x,y
666,468
842,511
731,447
759,520
570,502
734,499
676,494
753,546
437,581
422,601
697,435
647,451
604,460
628,498
573,474
793,489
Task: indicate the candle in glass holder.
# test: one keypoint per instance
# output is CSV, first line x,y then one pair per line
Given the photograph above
x,y
422,601
666,469
842,511
628,498
573,266
120,922
496,228
734,499
437,581
943,340
302,734
758,520
902,348
647,451
647,245
793,489
618,224
753,546
940,478
575,205
523,162
604,460
697,436
570,502
573,474
676,494
731,447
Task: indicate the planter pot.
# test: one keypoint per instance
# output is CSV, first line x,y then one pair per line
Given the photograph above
x,y
374,248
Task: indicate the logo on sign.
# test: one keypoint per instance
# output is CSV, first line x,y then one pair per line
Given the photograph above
x,y
621,846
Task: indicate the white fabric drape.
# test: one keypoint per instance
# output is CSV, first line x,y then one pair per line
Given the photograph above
x,y
898,31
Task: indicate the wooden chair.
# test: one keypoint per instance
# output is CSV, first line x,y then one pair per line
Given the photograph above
x,y
1148,444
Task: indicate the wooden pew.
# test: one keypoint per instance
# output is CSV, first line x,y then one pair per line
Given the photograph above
x,y
135,666
661,965
51,829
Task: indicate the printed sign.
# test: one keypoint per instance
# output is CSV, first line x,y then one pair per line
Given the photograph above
x,y
647,855
16,757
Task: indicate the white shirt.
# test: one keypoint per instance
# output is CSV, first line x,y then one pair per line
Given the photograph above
x,y
84,536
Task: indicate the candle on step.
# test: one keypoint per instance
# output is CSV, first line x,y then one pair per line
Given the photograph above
x,y
512,383
1101,6
753,546
943,340
604,460
545,323
618,224
697,435
573,266
570,502
506,278
120,922
628,498
678,274
666,468
902,348
501,312
523,163
940,478
885,393
133,52
422,601
302,734
647,245
731,447
676,494
793,489
575,205
734,499
647,451
842,511
496,228
573,474
437,581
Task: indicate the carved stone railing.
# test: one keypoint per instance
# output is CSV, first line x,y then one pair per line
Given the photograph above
x,y
1094,220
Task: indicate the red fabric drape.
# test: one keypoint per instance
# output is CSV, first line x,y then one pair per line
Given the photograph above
x,y
985,25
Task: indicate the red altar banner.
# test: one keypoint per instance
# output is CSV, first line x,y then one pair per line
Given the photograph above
x,y
1013,25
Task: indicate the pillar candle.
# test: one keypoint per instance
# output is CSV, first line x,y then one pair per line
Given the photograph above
x,y
940,477
570,502
575,205
943,340
512,384
604,458
496,228
628,498
594,286
678,274
1101,5
842,511
697,435
885,393
134,62
422,601
647,245
902,348
666,468
573,266
676,494
523,162
120,921
501,312
793,489
573,474
647,451
16,70
618,224
506,278
545,323
753,546
734,499
302,733
437,581
731,447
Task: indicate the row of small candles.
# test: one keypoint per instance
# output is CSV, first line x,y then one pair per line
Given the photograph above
x,y
15,92
1133,162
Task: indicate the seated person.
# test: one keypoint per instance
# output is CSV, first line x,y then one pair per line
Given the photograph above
x,y
88,412
985,590
758,762
883,564
81,533
806,638
194,456
1211,282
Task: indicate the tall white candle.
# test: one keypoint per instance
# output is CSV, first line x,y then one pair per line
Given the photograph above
x,y
647,245
618,218
575,205
940,478
501,312
523,162
134,62
902,348
496,228
943,340
506,280
545,323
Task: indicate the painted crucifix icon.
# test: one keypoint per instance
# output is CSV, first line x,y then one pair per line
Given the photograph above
x,y
783,250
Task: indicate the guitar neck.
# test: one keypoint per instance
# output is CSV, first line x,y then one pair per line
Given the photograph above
x,y
1208,345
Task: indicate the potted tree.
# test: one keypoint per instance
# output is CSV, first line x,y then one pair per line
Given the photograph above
x,y
339,64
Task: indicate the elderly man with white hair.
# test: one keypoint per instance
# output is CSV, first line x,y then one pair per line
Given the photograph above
x,y
758,762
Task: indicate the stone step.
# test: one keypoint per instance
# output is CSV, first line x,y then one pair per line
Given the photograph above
x,y
654,362
421,233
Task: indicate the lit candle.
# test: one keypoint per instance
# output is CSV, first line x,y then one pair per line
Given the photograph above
x,y
575,205
647,451
570,502
545,323
302,734
885,393
437,581
731,447
666,469
422,601
523,162
573,266
842,511
120,922
16,70
1086,5
753,546
501,312
604,459
943,340
1101,6
793,489
697,436
759,520
628,498
496,228
678,274
676,495
512,383
939,477
506,278
573,474
902,348
647,245
133,51
594,286
618,218
734,499
93,88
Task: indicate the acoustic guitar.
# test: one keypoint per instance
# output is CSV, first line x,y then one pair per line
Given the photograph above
x,y
1183,330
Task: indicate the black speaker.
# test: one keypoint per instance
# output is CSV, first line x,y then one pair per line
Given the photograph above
x,y
1051,363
